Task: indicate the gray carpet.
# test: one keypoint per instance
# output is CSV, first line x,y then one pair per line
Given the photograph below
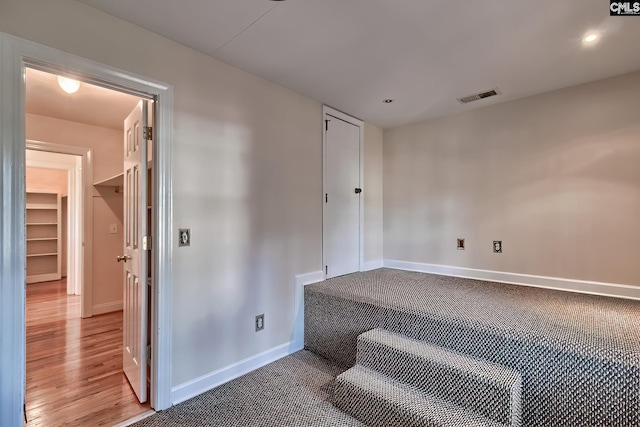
x,y
579,355
587,324
293,391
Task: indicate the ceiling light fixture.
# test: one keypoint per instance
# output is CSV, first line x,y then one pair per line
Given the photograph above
x,y
68,85
387,101
590,38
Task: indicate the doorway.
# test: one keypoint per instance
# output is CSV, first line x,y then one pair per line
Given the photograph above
x,y
54,249
17,54
90,120
343,198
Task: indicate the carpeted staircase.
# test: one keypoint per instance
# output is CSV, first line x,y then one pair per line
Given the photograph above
x,y
578,355
399,381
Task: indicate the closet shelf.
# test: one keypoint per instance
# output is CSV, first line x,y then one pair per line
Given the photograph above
x,y
42,207
114,181
44,236
39,255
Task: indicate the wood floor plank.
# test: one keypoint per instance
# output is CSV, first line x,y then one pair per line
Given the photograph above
x,y
74,365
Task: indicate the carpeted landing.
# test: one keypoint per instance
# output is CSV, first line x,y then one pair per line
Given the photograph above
x,y
560,358
293,391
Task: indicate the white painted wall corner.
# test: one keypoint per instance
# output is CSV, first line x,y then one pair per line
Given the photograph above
x,y
561,284
214,379
300,281
373,265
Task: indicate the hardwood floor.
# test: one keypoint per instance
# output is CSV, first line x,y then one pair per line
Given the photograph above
x,y
74,365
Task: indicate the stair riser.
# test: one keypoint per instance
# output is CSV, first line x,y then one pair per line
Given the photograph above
x,y
377,411
496,400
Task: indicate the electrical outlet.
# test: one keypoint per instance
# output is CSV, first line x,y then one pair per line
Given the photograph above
x,y
184,237
460,244
113,228
259,322
497,246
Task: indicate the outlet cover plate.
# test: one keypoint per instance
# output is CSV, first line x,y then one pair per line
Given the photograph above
x,y
497,246
184,237
259,322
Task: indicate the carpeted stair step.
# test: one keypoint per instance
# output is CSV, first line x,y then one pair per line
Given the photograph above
x,y
378,400
488,389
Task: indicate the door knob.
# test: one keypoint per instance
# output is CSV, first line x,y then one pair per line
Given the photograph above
x,y
358,190
123,258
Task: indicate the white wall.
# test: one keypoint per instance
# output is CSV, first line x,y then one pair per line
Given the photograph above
x,y
554,176
247,180
372,191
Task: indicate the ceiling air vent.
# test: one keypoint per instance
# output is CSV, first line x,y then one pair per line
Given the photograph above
x,y
478,96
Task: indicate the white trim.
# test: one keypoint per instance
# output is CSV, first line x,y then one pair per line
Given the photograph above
x,y
135,419
300,281
328,111
214,379
107,307
80,257
38,278
12,235
15,55
373,265
556,283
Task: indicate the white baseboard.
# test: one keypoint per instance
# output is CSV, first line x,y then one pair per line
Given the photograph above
x,y
214,379
47,277
107,307
561,284
300,281
135,419
373,265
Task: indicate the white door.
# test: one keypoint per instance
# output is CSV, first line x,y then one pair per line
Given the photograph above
x,y
135,303
341,230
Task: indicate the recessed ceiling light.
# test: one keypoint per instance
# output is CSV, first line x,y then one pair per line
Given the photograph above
x,y
387,101
590,38
68,85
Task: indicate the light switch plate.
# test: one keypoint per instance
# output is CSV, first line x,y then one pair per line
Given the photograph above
x,y
113,228
184,237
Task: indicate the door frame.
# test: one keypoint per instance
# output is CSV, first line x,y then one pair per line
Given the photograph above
x,y
327,114
15,55
80,234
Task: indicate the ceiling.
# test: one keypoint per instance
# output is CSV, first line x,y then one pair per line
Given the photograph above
x,y
422,54
92,105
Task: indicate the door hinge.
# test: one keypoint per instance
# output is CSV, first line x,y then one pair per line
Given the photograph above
x,y
326,269
147,133
146,243
326,124
326,197
24,411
